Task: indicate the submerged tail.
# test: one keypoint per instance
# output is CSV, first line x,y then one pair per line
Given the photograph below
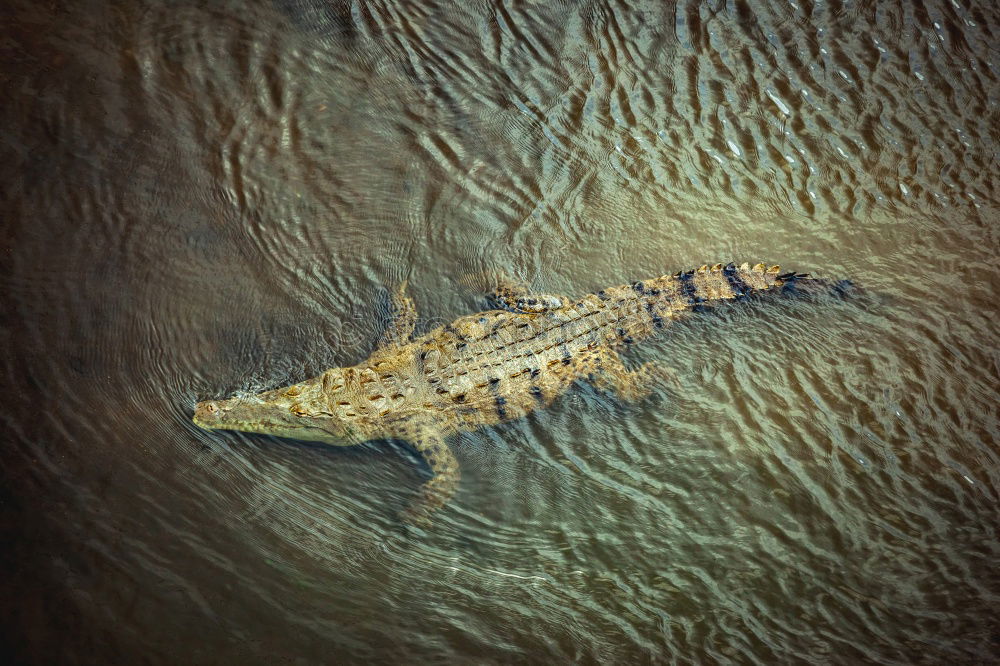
x,y
802,284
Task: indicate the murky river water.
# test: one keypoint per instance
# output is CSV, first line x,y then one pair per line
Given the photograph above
x,y
203,200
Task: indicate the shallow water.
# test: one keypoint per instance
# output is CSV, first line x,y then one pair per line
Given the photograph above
x,y
198,202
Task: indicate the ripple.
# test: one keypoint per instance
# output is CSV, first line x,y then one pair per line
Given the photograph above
x,y
205,201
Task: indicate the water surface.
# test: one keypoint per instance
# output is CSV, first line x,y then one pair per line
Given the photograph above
x,y
201,200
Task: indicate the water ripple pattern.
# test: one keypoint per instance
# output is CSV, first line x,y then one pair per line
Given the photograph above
x,y
202,200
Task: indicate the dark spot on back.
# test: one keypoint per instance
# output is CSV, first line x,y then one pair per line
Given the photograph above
x,y
736,283
688,288
657,319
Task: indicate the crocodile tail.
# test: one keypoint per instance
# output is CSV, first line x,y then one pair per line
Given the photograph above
x,y
709,286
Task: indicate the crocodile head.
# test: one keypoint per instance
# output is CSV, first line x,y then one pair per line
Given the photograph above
x,y
300,411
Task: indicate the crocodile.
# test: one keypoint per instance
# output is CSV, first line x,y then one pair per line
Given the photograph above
x,y
486,368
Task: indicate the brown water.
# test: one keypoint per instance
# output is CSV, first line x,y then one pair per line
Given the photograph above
x,y
198,201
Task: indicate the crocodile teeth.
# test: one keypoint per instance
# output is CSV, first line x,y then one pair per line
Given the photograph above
x,y
774,270
703,269
745,267
716,268
758,268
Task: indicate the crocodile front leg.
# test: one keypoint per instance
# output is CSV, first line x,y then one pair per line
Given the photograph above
x,y
404,319
607,372
517,298
429,441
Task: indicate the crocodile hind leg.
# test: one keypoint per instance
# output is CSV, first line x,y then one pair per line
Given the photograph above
x,y
404,319
428,440
517,298
607,372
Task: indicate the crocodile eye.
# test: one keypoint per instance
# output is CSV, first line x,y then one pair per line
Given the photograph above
x,y
298,410
293,391
211,408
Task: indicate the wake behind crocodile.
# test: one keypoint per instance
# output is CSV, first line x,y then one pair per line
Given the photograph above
x,y
489,367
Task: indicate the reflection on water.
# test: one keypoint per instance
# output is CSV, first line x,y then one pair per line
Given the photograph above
x,y
203,200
